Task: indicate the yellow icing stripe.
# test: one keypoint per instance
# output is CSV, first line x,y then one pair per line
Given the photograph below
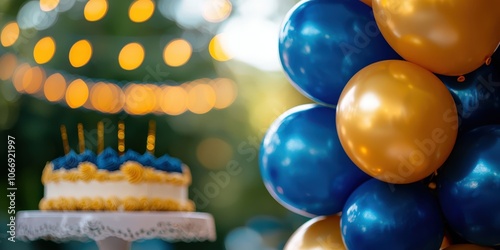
x,y
115,204
133,172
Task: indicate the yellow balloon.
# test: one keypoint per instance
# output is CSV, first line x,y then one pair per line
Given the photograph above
x,y
367,2
318,233
397,121
467,247
449,37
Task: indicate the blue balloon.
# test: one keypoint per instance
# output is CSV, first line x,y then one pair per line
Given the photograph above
x,y
469,186
385,216
303,165
323,43
478,97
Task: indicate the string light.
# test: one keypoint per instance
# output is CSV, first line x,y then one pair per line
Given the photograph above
x,y
177,53
95,10
10,34
80,53
54,87
48,5
8,63
216,49
131,56
44,50
141,10
77,93
33,79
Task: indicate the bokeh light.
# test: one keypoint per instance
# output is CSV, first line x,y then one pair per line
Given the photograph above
x,y
77,93
140,99
44,50
54,87
216,50
226,92
31,16
80,53
18,76
201,98
177,52
103,97
217,10
33,79
214,153
173,100
131,56
95,10
10,34
8,63
141,10
48,5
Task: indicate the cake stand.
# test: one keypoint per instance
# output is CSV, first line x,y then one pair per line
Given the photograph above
x,y
114,230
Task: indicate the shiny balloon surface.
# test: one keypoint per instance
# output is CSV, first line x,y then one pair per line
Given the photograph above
x,y
379,215
319,233
448,37
469,186
397,121
323,43
478,96
303,165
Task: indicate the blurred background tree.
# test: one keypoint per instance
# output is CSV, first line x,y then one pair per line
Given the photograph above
x,y
210,77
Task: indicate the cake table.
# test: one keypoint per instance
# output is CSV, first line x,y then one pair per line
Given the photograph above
x,y
114,230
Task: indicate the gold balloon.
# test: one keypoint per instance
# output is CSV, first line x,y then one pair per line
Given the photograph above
x,y
367,2
449,37
467,247
397,121
318,233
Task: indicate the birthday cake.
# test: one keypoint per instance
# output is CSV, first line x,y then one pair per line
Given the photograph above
x,y
109,181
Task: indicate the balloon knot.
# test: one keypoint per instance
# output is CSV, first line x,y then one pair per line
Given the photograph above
x,y
488,61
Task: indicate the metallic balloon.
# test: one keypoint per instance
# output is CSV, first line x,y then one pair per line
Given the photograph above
x,y
439,35
467,247
397,121
478,97
303,164
319,233
323,43
469,186
385,216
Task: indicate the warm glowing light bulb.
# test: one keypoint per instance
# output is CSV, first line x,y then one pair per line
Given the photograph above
x,y
131,56
177,52
44,50
174,100
226,92
95,10
216,50
77,93
80,53
201,98
8,63
141,10
33,79
10,34
54,87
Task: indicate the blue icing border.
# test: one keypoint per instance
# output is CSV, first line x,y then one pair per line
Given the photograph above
x,y
130,155
147,160
108,160
71,160
87,156
168,164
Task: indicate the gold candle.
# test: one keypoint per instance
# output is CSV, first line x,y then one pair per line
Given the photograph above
x,y
64,137
151,139
121,138
100,137
81,138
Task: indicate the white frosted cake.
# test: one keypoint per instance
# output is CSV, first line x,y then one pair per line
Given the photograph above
x,y
131,182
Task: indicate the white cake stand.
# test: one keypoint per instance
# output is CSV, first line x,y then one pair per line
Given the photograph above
x,y
114,230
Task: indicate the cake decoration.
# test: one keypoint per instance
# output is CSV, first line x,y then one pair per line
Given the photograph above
x,y
114,180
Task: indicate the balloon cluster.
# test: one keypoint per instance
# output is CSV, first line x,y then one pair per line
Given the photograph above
x,y
402,148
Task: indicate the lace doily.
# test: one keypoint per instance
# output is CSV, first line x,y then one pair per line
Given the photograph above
x,y
127,226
